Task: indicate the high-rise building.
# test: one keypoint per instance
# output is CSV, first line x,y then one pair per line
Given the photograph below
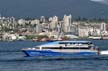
x,y
0,16
67,21
54,22
21,22
42,19
38,26
103,26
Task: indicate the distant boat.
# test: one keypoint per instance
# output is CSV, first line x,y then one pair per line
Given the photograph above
x,y
63,49
94,37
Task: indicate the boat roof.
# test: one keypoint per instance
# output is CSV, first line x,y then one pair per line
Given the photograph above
x,y
66,42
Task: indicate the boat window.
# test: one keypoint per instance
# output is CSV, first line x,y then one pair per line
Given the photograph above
x,y
37,47
75,43
60,47
65,48
63,43
90,43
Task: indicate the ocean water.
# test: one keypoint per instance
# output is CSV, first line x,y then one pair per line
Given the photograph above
x,y
12,59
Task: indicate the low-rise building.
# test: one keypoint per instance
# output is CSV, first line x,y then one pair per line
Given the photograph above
x,y
83,31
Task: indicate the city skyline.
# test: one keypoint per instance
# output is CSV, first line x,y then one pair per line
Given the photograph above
x,y
53,27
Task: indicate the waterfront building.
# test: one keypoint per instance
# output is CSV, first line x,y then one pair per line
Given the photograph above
x,y
71,35
96,32
9,37
83,31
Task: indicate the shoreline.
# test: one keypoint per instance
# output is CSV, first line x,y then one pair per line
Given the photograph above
x,y
50,40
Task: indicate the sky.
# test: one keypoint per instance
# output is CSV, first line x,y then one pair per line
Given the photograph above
x,y
37,8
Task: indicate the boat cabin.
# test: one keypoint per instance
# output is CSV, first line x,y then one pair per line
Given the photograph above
x,y
67,45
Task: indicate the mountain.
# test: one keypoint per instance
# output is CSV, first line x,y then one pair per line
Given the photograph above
x,y
37,8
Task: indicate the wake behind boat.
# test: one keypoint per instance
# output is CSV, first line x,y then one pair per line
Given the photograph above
x,y
64,49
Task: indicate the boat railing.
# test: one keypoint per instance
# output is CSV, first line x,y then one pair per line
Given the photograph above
x,y
34,48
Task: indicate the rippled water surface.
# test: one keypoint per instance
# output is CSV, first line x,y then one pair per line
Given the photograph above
x,y
12,59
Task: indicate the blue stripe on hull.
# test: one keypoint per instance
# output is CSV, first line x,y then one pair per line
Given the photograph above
x,y
56,54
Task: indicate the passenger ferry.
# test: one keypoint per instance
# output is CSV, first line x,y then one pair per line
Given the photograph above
x,y
63,49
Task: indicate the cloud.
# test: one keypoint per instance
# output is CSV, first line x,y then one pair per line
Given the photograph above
x,y
98,0
101,1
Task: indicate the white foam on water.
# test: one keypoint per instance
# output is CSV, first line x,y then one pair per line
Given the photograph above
x,y
104,52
